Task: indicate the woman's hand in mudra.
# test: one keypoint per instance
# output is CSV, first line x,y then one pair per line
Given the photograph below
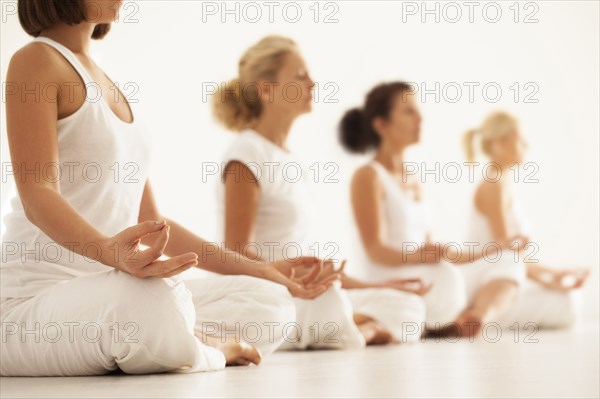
x,y
122,252
305,277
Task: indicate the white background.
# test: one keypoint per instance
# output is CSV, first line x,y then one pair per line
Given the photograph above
x,y
168,51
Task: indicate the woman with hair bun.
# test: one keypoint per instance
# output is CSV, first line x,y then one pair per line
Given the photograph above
x,y
390,213
264,213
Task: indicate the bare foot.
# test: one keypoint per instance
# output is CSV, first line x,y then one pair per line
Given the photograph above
x,y
375,334
236,353
469,324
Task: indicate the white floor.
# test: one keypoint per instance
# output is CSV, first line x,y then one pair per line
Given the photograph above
x,y
560,364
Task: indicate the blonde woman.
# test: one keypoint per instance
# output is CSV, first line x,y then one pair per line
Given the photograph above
x,y
266,207
72,268
548,298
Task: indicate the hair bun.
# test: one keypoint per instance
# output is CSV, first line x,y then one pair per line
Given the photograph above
x,y
353,134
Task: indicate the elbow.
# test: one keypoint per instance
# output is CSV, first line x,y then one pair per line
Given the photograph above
x,y
372,254
375,253
30,210
383,255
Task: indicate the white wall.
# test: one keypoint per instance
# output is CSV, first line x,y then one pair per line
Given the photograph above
x,y
170,52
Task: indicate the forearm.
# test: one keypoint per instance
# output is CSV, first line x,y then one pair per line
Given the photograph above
x,y
351,282
211,256
535,270
55,216
388,256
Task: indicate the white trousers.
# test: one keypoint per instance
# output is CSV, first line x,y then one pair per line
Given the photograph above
x,y
445,300
543,308
401,313
454,288
328,320
91,325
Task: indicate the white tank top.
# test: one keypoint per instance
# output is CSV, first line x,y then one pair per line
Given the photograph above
x,y
283,217
103,165
405,220
479,229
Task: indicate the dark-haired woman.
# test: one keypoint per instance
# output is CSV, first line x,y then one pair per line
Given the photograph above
x,y
266,211
79,297
393,218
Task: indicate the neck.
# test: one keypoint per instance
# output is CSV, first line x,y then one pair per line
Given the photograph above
x,y
392,159
274,126
76,38
504,166
504,169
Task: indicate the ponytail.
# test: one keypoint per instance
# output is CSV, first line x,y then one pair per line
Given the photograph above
x,y
232,108
468,145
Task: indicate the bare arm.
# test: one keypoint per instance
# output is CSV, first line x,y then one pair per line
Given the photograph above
x,y
242,196
32,136
224,261
212,257
490,202
33,144
366,196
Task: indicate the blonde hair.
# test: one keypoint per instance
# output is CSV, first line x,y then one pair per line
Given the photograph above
x,y
495,125
237,104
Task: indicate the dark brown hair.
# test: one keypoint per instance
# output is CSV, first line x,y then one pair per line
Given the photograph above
x,y
355,130
37,15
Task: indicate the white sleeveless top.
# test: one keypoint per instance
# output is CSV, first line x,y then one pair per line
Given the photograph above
x,y
283,216
405,220
479,229
103,165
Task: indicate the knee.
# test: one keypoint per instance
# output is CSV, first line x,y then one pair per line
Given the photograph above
x,y
277,305
568,309
449,292
447,297
157,318
274,303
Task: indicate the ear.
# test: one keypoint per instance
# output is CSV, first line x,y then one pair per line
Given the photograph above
x,y
495,147
379,125
267,90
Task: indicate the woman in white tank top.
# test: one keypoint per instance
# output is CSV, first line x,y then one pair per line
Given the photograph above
x,y
266,208
393,219
549,297
70,256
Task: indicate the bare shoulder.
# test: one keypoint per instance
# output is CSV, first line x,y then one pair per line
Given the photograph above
x,y
35,62
365,176
488,194
365,183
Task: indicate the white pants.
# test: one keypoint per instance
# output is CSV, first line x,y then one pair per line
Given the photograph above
x,y
401,313
93,324
543,307
454,287
328,320
480,272
445,300
533,305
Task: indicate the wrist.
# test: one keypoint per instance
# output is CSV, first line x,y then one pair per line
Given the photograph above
x,y
107,254
260,270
